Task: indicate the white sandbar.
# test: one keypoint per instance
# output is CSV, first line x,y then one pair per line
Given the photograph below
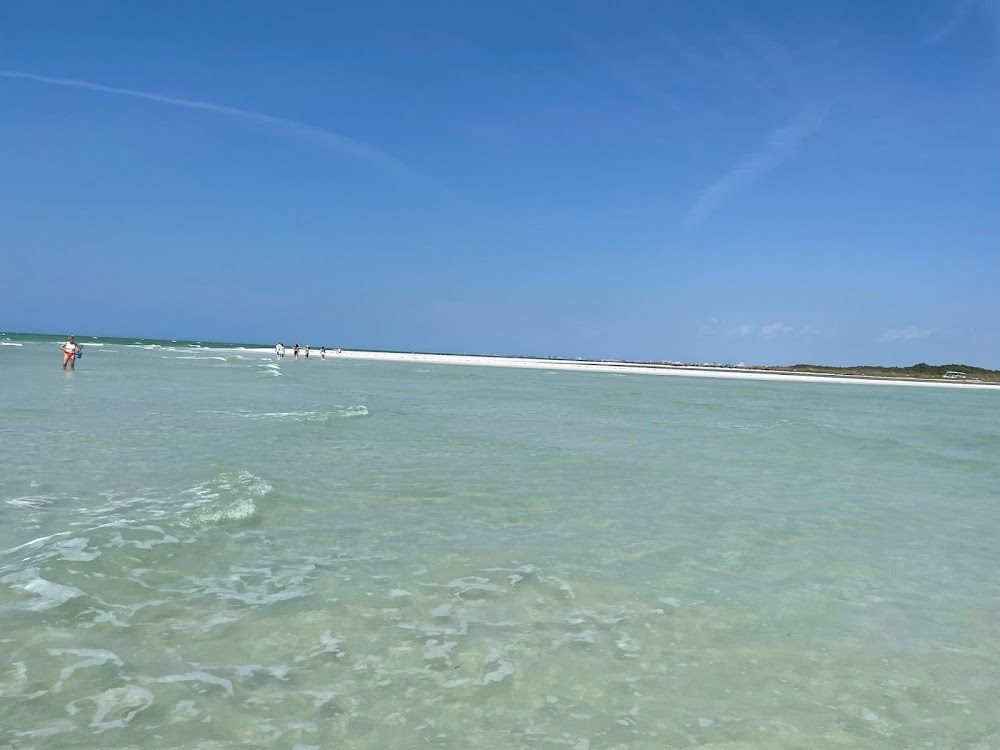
x,y
634,368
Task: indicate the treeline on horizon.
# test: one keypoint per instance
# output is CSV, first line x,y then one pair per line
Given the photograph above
x,y
919,370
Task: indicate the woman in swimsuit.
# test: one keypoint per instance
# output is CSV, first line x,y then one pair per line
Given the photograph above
x,y
69,353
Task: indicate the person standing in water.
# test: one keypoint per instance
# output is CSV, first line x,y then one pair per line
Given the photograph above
x,y
322,352
279,351
69,353
307,351
295,352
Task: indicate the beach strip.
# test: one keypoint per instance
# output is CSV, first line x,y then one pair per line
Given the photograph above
x,y
639,368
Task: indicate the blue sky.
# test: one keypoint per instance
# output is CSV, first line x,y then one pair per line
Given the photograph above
x,y
698,180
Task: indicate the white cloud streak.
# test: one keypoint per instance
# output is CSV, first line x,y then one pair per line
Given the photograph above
x,y
775,329
328,139
716,327
993,9
964,13
963,9
910,333
781,146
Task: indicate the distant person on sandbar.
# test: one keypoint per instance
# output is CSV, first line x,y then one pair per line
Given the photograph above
x,y
69,353
338,350
279,351
307,351
322,352
295,352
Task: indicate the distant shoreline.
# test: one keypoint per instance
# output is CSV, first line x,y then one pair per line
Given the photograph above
x,y
650,368
799,373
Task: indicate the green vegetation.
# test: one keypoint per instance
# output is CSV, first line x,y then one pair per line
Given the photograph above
x,y
920,370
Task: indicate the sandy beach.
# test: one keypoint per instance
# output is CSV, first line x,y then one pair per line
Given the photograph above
x,y
633,368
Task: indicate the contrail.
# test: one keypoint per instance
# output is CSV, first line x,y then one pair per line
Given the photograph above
x,y
780,146
963,9
327,138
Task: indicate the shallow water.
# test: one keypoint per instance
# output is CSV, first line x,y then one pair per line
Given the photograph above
x,y
204,548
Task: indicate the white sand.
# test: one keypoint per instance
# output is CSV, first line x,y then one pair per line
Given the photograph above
x,y
632,368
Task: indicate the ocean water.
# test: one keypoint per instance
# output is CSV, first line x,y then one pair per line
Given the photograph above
x,y
203,548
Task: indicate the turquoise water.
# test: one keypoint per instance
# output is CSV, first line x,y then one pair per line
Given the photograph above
x,y
203,548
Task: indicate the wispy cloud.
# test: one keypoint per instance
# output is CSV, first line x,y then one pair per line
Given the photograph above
x,y
782,145
910,333
992,9
960,13
329,139
775,329
716,327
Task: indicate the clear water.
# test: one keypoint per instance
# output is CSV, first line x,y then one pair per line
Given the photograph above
x,y
204,549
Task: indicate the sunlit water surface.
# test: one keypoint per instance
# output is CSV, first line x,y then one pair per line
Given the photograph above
x,y
202,548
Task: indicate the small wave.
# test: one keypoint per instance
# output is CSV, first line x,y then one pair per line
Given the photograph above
x,y
47,594
30,501
235,511
10,343
192,356
749,426
339,412
228,498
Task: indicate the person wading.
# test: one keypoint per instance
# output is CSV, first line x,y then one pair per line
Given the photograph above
x,y
69,353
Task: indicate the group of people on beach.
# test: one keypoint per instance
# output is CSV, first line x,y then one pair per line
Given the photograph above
x,y
279,351
72,351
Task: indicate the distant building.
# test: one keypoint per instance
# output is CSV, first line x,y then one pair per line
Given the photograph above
x,y
954,375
